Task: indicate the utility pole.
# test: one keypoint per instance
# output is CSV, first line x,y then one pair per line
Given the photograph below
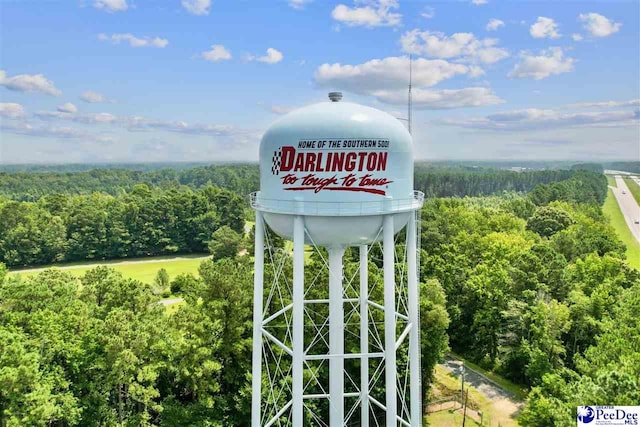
x,y
462,383
464,417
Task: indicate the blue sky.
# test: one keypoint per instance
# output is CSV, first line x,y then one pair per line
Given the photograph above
x,y
200,80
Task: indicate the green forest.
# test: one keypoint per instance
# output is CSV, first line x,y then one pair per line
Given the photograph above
x,y
521,273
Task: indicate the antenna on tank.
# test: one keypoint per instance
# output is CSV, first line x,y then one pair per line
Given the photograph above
x,y
410,101
409,117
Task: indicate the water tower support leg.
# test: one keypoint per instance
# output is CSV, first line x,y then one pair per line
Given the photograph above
x,y
364,337
298,322
336,338
389,320
258,286
414,319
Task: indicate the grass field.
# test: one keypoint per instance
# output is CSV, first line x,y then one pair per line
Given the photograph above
x,y
611,181
143,269
612,210
449,419
634,188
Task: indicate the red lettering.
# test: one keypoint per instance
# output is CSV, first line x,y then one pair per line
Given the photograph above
x,y
289,179
319,167
362,157
310,164
299,166
286,163
382,162
371,161
333,161
337,162
318,183
367,181
350,161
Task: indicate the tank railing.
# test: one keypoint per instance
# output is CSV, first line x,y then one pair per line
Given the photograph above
x,y
312,207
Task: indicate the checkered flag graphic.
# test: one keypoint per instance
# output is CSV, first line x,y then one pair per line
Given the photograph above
x,y
275,161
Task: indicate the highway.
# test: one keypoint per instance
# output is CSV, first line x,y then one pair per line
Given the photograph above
x,y
628,206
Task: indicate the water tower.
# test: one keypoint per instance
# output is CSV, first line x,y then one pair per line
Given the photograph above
x,y
336,175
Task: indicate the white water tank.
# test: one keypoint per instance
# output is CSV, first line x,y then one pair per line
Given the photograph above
x,y
342,166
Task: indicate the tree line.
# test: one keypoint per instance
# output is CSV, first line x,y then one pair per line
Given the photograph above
x,y
143,222
152,219
433,180
31,186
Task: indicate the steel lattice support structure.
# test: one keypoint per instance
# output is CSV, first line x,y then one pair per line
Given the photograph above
x,y
302,374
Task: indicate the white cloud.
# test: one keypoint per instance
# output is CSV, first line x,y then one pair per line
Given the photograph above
x,y
273,56
23,128
607,104
217,53
368,13
428,12
140,124
479,2
550,62
475,71
67,107
97,118
299,4
29,83
598,25
111,5
544,28
442,99
197,7
576,37
386,74
387,79
93,97
494,24
464,46
279,109
134,41
137,123
84,118
537,119
11,110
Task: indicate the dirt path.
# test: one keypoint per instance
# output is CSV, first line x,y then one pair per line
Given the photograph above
x,y
109,263
504,405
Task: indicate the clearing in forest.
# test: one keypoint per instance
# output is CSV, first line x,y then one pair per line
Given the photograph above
x,y
143,269
486,402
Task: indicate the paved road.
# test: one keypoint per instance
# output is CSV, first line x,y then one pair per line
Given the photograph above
x,y
504,406
628,206
476,380
614,172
